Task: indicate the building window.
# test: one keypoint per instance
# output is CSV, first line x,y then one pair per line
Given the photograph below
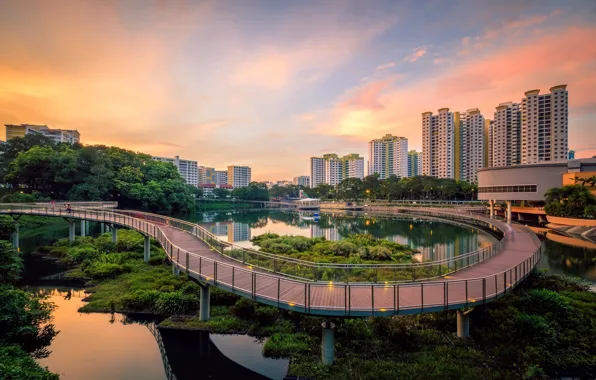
x,y
508,189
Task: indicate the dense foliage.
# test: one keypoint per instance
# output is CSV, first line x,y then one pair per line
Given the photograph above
x,y
25,331
40,168
570,201
255,191
393,188
356,248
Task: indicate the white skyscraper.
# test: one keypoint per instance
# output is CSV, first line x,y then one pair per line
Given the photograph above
x,y
438,153
544,126
239,176
471,144
302,180
189,170
414,163
505,135
332,169
388,156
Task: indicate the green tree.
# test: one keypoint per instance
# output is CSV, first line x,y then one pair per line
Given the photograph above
x,y
350,189
574,201
221,193
372,186
11,263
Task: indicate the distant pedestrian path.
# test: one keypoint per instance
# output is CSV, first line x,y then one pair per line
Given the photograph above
x,y
480,278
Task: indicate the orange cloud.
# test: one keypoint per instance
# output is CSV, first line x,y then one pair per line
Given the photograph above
x,y
418,53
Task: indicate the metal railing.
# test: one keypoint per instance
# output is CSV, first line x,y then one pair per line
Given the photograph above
x,y
354,299
347,273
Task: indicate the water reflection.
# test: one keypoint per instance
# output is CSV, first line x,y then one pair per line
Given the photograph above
x,y
115,346
434,240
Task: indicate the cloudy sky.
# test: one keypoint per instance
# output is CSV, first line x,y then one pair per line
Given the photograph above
x,y
271,83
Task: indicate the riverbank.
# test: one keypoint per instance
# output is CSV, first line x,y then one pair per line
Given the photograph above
x,y
223,205
543,328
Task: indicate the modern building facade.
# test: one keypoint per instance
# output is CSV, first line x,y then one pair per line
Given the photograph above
x,y
221,177
388,156
414,163
438,144
206,175
189,170
332,169
544,126
469,145
505,135
70,136
571,155
303,180
239,176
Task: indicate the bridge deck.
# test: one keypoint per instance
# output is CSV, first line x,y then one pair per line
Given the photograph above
x,y
476,284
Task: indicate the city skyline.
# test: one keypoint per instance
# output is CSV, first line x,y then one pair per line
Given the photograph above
x,y
155,81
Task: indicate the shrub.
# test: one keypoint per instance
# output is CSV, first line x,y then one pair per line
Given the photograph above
x,y
377,253
286,345
77,255
265,315
107,270
140,300
176,303
243,308
157,260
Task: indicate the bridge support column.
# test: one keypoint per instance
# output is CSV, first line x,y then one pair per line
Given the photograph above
x,y
114,234
463,324
87,225
508,211
205,303
327,343
491,208
71,231
15,237
147,247
102,227
175,269
83,228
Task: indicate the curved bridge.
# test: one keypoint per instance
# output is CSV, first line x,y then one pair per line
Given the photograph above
x,y
195,251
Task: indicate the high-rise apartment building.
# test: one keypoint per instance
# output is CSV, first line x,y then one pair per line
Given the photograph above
x,y
469,145
239,176
221,177
544,126
70,136
438,141
303,180
332,169
388,156
206,175
210,176
571,155
189,170
505,135
414,163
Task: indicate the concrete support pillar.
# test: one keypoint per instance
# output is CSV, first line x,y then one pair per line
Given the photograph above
x,y
205,303
15,237
147,246
508,211
327,343
71,231
114,234
463,324
83,228
102,227
175,270
87,225
491,208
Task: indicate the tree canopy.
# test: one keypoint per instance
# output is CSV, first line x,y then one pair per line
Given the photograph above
x,y
255,191
39,167
394,188
573,201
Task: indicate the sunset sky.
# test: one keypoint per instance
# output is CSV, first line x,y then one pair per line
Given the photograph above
x,y
271,83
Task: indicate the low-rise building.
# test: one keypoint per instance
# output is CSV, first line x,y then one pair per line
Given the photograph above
x,y
70,136
303,180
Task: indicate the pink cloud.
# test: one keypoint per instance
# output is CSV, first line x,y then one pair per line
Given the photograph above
x,y
483,81
418,53
386,66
